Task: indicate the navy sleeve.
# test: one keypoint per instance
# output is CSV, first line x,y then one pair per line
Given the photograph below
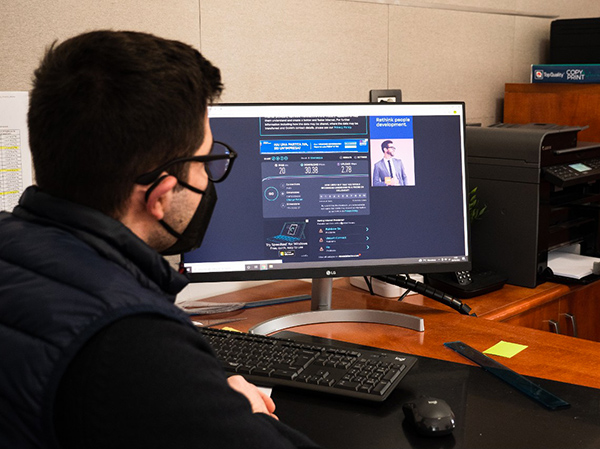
x,y
149,382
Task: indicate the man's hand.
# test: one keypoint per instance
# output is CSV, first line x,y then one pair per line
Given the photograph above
x,y
259,401
389,181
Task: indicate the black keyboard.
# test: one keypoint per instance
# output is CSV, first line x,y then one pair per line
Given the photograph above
x,y
370,374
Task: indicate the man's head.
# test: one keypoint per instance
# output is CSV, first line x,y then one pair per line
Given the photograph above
x,y
388,148
108,106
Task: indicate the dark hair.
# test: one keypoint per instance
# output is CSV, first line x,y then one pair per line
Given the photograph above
x,y
108,106
385,144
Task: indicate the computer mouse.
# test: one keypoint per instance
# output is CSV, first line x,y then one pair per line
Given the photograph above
x,y
430,416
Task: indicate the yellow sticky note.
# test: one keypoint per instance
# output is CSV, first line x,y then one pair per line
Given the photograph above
x,y
505,349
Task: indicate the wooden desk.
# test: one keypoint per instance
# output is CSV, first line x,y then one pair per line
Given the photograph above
x,y
579,359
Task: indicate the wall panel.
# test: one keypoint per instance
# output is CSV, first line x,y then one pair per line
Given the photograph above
x,y
289,50
28,27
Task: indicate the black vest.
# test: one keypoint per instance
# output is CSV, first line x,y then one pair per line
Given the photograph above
x,y
66,272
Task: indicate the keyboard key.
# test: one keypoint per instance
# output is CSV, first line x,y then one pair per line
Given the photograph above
x,y
347,385
381,387
391,375
284,374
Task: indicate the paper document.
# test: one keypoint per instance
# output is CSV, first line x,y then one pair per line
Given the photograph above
x,y
201,307
15,158
571,265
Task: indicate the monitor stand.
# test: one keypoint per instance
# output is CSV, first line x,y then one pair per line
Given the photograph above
x,y
321,312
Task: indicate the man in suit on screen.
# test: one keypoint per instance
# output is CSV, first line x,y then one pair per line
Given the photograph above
x,y
389,171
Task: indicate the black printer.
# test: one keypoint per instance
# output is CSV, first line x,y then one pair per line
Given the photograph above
x,y
542,191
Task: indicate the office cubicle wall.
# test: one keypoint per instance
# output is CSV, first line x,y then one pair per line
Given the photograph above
x,y
319,50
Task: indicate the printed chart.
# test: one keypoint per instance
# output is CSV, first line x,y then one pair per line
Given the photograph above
x,y
15,158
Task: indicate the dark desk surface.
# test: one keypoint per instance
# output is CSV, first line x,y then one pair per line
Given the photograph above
x,y
489,412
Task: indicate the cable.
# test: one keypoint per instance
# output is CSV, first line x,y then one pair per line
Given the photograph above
x,y
369,285
404,295
425,290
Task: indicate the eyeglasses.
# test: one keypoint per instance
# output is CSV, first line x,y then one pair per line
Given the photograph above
x,y
217,164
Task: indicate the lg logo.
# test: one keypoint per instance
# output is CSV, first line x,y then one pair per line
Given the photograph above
x,y
330,273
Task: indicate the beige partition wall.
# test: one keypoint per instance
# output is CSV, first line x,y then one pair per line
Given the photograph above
x,y
28,26
319,50
311,50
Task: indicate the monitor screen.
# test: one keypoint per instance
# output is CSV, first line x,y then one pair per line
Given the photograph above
x,y
335,190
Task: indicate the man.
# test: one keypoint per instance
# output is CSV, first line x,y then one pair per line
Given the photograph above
x,y
94,353
389,171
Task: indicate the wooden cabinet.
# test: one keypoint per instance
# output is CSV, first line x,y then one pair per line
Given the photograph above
x,y
569,310
543,317
583,304
560,104
574,312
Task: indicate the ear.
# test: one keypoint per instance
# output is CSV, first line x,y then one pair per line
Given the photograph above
x,y
158,196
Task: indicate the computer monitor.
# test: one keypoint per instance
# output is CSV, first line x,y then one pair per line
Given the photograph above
x,y
333,190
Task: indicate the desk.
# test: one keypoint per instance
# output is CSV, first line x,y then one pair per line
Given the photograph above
x,y
580,358
548,356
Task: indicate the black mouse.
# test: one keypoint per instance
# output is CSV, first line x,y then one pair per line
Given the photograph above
x,y
430,416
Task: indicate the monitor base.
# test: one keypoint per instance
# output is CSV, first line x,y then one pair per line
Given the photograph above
x,y
337,316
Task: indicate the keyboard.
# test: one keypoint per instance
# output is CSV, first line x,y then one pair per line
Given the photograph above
x,y
363,373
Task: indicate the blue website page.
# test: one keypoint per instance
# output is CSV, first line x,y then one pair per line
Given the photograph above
x,y
318,188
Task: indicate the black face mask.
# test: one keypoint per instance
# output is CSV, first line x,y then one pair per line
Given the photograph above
x,y
191,237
